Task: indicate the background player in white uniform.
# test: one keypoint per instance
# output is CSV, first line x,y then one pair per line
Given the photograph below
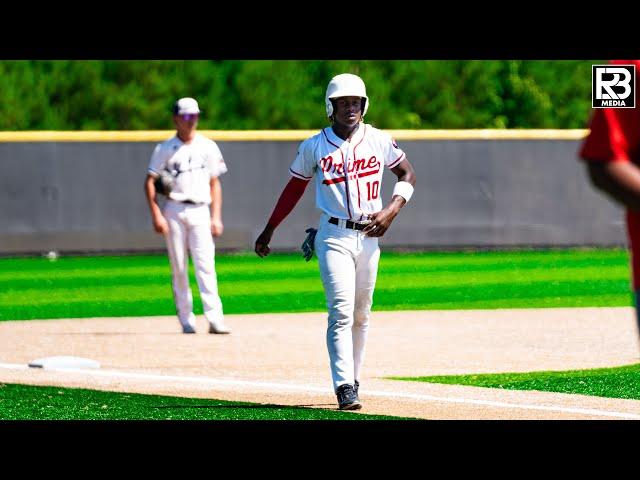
x,y
347,160
192,214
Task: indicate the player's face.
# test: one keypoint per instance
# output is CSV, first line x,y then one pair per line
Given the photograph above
x,y
186,122
348,111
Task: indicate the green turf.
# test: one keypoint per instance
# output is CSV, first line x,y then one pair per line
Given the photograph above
x,y
617,382
140,285
26,402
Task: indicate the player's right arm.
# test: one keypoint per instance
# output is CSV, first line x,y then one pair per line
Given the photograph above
x,y
159,222
611,150
289,197
302,170
621,180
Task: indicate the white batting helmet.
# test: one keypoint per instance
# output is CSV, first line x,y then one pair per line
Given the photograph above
x,y
345,85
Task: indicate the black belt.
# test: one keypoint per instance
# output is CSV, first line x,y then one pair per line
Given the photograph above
x,y
349,224
190,202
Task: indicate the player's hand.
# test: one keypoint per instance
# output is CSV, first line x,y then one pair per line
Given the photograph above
x,y
262,242
160,225
216,227
380,222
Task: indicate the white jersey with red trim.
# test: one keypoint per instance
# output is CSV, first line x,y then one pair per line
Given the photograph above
x,y
349,173
191,164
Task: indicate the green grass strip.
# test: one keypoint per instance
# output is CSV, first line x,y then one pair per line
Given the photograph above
x,y
615,382
139,285
27,402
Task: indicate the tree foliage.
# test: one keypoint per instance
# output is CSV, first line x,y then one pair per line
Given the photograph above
x,y
289,94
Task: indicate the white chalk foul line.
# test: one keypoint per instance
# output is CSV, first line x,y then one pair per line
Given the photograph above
x,y
310,388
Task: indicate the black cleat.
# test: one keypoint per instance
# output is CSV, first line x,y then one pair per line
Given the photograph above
x,y
356,386
348,398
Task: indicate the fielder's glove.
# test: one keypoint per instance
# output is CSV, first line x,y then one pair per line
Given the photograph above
x,y
164,183
308,244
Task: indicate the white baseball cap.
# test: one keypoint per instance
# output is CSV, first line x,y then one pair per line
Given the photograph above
x,y
186,105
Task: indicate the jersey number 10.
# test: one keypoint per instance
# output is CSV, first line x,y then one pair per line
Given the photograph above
x,y
372,190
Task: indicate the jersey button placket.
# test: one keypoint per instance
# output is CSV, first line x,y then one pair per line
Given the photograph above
x,y
359,211
347,180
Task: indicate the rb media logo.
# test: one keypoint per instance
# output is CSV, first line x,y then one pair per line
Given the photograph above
x,y
613,86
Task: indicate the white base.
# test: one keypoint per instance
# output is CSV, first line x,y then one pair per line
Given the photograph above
x,y
64,362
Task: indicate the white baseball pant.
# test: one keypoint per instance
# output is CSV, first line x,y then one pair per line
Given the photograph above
x,y
348,262
190,231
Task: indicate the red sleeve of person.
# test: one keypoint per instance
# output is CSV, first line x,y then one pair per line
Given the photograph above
x,y
614,132
614,136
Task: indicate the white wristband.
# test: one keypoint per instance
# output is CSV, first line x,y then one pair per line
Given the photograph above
x,y
404,189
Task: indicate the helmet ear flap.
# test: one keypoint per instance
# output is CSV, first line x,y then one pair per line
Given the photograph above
x,y
363,105
330,108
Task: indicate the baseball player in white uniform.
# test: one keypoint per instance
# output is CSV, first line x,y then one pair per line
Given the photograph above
x,y
347,160
192,213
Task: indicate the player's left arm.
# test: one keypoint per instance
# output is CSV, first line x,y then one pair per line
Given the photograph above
x,y
381,221
216,206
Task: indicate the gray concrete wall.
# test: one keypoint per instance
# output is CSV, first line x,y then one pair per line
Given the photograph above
x,y
88,196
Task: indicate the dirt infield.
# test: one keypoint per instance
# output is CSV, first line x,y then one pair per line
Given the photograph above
x,y
282,359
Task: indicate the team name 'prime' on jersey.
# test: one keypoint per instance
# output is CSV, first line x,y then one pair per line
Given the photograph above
x,y
348,173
